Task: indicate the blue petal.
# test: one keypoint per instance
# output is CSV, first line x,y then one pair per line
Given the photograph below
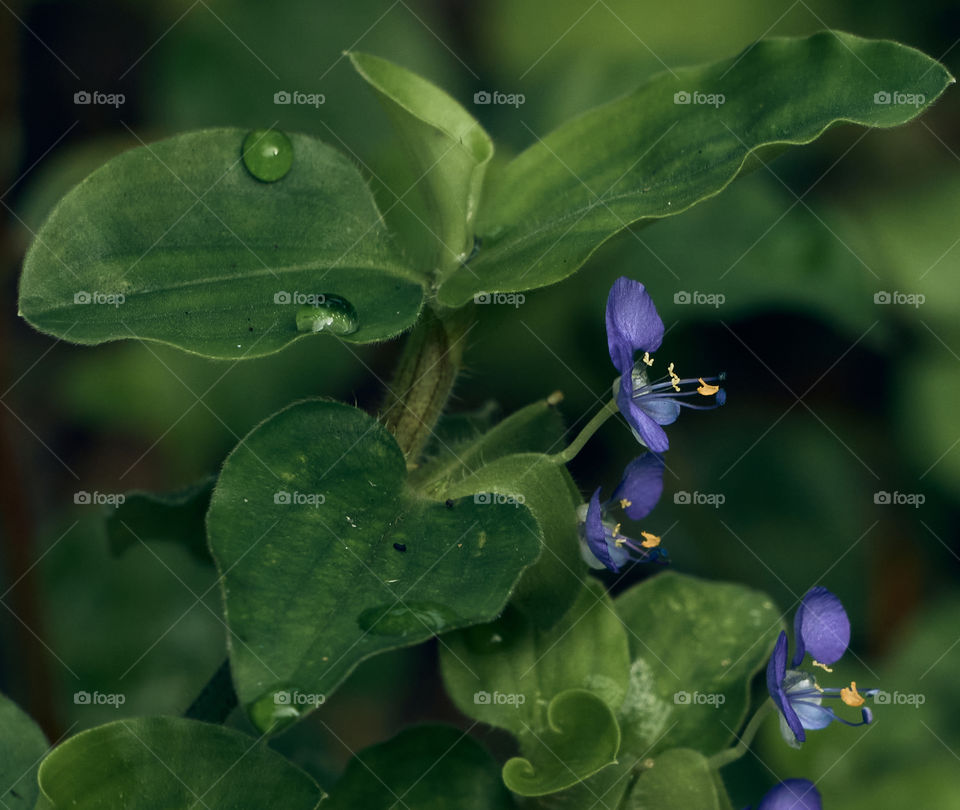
x,y
642,485
776,672
597,541
662,410
813,716
632,323
644,428
792,794
821,627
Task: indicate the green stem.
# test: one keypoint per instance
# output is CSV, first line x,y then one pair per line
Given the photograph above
x,y
424,379
734,753
592,427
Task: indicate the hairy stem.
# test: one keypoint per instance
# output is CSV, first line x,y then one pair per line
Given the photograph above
x,y
592,427
734,753
423,381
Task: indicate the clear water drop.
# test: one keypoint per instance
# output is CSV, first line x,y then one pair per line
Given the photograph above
x,y
267,154
276,709
331,313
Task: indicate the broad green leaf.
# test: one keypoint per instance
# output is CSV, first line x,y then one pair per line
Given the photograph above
x,y
645,157
678,779
507,672
581,737
327,558
22,746
693,694
536,428
172,763
450,152
548,588
176,517
425,767
178,242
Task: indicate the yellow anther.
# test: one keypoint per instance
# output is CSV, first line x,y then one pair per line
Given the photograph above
x,y
850,695
624,503
649,540
824,667
555,398
647,358
616,531
707,390
674,379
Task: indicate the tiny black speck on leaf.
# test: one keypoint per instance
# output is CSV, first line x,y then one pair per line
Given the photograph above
x,y
400,546
449,503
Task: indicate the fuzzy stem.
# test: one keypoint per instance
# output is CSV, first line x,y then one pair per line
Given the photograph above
x,y
734,753
592,427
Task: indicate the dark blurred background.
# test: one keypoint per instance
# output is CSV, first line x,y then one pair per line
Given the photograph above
x,y
833,398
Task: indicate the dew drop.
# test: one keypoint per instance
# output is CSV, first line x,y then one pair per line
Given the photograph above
x,y
331,314
276,709
267,154
407,619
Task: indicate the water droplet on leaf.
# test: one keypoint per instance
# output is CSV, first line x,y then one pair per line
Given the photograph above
x,y
332,314
407,619
276,709
267,154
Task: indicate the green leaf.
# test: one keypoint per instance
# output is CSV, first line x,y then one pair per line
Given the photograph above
x,y
22,746
176,517
548,588
507,672
450,152
581,738
177,242
170,762
425,767
327,558
644,157
678,779
694,694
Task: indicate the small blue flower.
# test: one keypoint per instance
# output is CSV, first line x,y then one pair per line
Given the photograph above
x,y
602,545
792,794
822,630
633,325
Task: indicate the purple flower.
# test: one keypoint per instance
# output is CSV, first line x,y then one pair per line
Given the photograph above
x,y
792,794
633,325
602,543
823,630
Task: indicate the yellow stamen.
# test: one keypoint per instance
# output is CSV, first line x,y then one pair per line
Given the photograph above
x,y
624,503
674,379
649,540
850,695
707,390
824,667
647,358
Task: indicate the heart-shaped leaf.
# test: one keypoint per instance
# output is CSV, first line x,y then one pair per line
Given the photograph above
x,y
425,767
22,746
450,152
170,762
581,737
179,242
681,137
176,517
506,673
678,779
693,694
328,558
